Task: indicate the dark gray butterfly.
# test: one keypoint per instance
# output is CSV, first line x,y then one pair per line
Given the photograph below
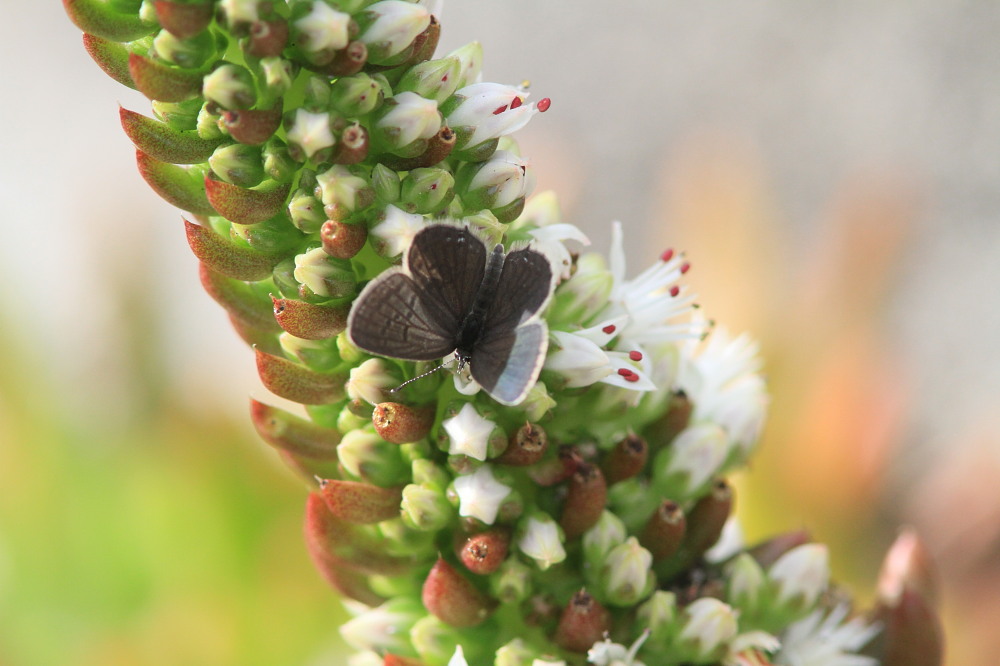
x,y
450,295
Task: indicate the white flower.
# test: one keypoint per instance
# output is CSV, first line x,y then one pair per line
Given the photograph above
x,y
652,300
722,378
505,176
397,24
324,28
395,232
801,574
551,241
469,433
606,653
745,649
313,268
692,459
541,542
827,641
582,359
311,132
480,495
338,186
369,380
492,109
413,116
384,628
710,625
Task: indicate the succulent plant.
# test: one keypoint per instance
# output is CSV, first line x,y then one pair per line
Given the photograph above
x,y
585,517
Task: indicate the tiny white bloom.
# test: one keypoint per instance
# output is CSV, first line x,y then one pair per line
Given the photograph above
x,y
480,495
311,131
606,653
824,639
745,649
698,453
551,241
340,187
469,433
396,231
730,542
801,574
397,24
369,381
312,268
324,28
710,624
493,109
540,541
415,117
582,359
384,628
507,176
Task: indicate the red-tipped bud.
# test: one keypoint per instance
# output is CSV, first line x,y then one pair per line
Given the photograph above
x,y
163,82
912,633
111,57
907,566
161,141
223,256
663,431
238,300
176,185
626,459
556,469
585,500
583,623
361,503
267,39
292,434
183,19
483,553
439,147
342,240
244,206
348,60
664,532
252,126
308,320
299,384
767,553
352,146
526,447
453,599
704,527
338,542
402,424
101,19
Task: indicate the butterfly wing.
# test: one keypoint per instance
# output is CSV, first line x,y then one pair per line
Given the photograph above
x,y
509,355
447,264
391,318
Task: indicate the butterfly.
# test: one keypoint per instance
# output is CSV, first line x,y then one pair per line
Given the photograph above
x,y
451,295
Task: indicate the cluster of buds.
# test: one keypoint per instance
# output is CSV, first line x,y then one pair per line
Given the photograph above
x,y
309,141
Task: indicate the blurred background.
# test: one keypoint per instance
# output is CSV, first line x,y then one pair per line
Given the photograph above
x,y
831,169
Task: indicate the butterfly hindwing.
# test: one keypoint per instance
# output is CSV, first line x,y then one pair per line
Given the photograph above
x,y
391,317
507,365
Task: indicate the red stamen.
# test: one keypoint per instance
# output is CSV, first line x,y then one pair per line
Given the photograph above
x,y
632,378
516,103
609,329
674,290
667,255
543,104
635,355
500,109
685,267
624,372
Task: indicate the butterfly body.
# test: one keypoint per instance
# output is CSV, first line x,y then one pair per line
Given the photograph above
x,y
450,295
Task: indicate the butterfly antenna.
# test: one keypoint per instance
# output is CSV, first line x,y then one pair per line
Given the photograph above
x,y
420,376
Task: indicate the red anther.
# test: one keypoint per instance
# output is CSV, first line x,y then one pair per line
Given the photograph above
x,y
674,290
624,372
635,355
685,267
667,255
609,329
632,377
543,104
516,103
500,109
444,78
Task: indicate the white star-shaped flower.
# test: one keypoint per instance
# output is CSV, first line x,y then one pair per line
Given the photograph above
x,y
369,381
311,132
540,541
395,232
469,433
480,495
324,28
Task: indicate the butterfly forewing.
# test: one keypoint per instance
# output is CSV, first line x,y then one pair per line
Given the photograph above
x,y
524,287
391,318
507,365
447,265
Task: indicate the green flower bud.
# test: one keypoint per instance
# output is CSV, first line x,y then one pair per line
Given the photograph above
x,y
470,58
435,79
425,508
348,421
189,53
601,538
238,164
707,627
502,180
389,27
323,275
427,190
434,640
208,124
511,584
278,75
583,296
358,95
318,30
306,212
278,163
516,653
626,576
685,469
659,615
367,456
231,87
318,355
386,183
179,115
745,586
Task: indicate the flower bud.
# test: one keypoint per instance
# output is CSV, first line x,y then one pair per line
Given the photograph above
x,y
367,456
598,541
708,625
483,553
453,599
240,13
190,53
323,275
483,112
266,39
433,79
358,95
253,126
437,642
626,577
385,628
704,525
685,468
526,446
585,500
659,615
230,86
306,211
745,586
512,582
470,58
389,27
401,424
310,135
386,183
541,540
278,75
318,355
425,508
318,30
583,622
238,164
370,380
342,240
405,122
427,190
664,531
584,294
499,182
343,192
798,578
626,459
